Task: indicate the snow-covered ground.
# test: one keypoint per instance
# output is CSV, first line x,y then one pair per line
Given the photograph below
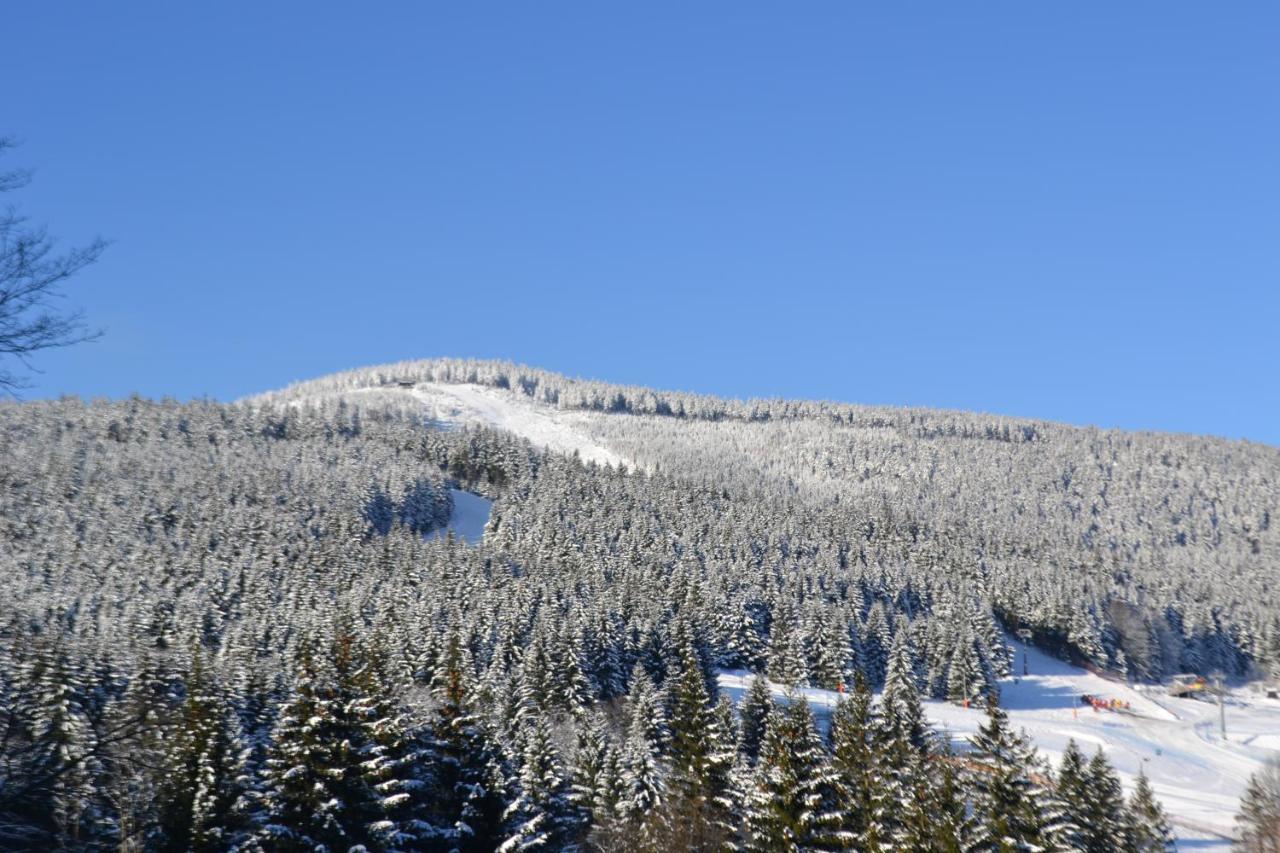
x,y
544,426
1197,775
470,515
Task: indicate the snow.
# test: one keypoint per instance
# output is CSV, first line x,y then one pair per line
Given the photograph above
x,y
1196,775
470,515
543,425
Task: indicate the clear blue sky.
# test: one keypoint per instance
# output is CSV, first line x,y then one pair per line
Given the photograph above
x,y
1069,211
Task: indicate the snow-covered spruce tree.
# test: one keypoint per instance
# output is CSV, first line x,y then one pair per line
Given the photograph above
x,y
596,773
792,803
699,809
902,716
787,663
1009,808
134,733
203,780
573,690
877,639
337,759
966,677
853,760
831,651
50,790
1071,799
753,714
640,819
640,816
947,821
1150,831
743,647
1259,818
461,798
1107,825
542,816
648,712
900,805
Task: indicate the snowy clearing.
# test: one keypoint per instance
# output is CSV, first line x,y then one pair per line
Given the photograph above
x,y
1197,776
470,515
543,425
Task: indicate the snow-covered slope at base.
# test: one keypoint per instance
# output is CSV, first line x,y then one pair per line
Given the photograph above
x,y
1196,775
544,426
470,515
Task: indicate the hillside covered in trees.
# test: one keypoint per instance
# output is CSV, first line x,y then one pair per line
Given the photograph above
x,y
222,626
1144,553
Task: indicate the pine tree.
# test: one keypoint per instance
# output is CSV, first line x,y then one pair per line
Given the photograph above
x,y
1071,798
753,714
902,715
965,678
648,711
1150,830
949,825
899,815
698,764
786,652
853,758
334,765
744,648
1259,818
1008,807
1106,824
792,803
463,795
641,816
203,778
831,652
543,813
596,772
56,784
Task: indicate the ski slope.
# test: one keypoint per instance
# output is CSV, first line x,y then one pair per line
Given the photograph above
x,y
470,515
544,426
1197,775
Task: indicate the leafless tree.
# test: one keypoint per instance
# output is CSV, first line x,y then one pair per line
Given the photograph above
x,y
32,270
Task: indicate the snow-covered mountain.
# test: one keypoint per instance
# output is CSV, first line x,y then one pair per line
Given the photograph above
x,y
555,587
1141,517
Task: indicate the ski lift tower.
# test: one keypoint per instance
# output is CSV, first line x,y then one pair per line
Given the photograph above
x,y
1024,634
1222,707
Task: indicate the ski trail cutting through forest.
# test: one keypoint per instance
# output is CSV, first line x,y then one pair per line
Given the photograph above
x,y
543,425
1196,775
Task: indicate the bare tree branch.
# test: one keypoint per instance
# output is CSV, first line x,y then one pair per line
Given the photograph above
x,y
32,269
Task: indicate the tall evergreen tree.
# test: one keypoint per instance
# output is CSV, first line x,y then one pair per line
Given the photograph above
x,y
1106,824
699,764
792,803
853,760
1150,829
1071,798
753,713
1008,807
596,773
335,765
203,778
464,793
543,815
1259,818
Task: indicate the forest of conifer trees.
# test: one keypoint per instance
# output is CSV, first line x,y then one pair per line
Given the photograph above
x,y
221,628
